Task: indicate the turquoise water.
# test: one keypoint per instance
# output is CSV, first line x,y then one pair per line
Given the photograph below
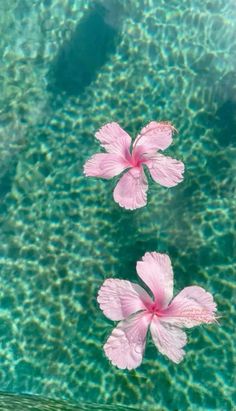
x,y
68,67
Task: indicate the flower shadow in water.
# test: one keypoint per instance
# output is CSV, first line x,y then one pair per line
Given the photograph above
x,y
80,59
226,121
130,244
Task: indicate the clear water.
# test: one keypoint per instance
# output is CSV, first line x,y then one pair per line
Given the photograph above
x,y
68,67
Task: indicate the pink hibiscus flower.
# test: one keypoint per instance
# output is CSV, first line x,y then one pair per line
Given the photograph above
x,y
130,303
131,190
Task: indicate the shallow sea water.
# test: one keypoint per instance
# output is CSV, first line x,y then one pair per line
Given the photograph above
x,y
68,67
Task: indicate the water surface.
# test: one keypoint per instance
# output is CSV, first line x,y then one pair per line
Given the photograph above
x,y
61,234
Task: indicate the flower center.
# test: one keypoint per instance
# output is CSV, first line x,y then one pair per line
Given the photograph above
x,y
153,309
136,160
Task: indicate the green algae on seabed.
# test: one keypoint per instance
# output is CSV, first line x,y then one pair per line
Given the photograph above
x,y
14,402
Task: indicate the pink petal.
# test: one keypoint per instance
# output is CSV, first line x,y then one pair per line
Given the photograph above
x,y
114,139
105,165
192,306
168,339
130,191
120,298
126,344
156,271
155,136
165,170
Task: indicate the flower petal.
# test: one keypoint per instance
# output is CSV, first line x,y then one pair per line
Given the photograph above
x,y
130,191
165,170
120,298
114,139
168,339
126,344
105,165
155,136
156,271
191,307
